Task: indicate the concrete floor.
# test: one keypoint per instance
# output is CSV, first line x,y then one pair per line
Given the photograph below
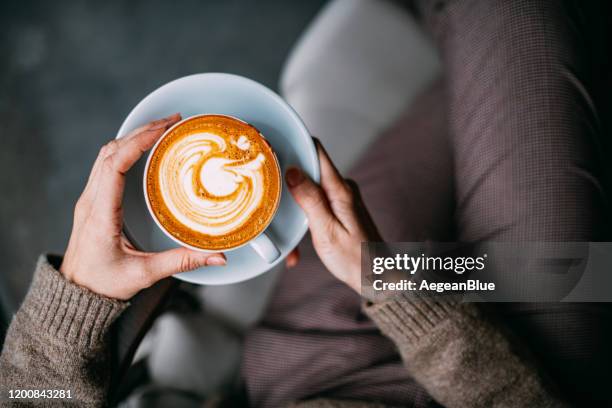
x,y
71,70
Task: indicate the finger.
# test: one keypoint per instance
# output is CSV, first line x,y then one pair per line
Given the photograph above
x,y
156,124
146,131
95,170
331,180
112,146
363,217
293,258
311,198
132,149
112,173
168,263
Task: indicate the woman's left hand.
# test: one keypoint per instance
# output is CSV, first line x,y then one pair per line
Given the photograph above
x,y
337,218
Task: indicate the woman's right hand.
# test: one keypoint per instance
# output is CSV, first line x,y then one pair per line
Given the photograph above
x,y
337,218
99,257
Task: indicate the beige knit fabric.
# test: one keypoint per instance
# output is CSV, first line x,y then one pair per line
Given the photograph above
x,y
57,340
459,356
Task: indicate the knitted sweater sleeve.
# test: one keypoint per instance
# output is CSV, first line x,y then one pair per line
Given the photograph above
x,y
460,356
56,341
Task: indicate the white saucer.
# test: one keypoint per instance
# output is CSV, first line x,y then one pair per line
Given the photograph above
x,y
254,103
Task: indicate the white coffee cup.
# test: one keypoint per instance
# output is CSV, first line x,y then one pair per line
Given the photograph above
x,y
262,244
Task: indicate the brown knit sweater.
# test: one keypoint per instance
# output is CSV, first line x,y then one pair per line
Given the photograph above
x,y
57,340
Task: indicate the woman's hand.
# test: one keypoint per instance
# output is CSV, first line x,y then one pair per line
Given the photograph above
x,y
337,219
99,257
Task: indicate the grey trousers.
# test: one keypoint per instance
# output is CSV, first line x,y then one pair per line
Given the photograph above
x,y
506,146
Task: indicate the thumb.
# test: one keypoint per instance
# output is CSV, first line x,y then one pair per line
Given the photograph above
x,y
167,263
311,198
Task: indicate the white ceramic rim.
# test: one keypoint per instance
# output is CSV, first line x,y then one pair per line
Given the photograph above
x,y
146,196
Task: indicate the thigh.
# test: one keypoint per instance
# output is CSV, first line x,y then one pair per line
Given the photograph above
x,y
406,175
314,339
525,133
524,127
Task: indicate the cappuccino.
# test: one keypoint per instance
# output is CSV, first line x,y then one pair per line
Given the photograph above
x,y
213,182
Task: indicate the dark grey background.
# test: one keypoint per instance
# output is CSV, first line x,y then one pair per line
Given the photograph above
x,y
71,70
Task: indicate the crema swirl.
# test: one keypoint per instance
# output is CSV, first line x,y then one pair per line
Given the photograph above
x,y
213,182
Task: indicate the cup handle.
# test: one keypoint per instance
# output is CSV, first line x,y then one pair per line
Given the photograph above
x,y
264,246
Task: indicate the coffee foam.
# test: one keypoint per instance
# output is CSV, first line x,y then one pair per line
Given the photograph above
x,y
213,182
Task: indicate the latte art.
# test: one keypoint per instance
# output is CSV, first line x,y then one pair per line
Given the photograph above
x,y
213,182
205,189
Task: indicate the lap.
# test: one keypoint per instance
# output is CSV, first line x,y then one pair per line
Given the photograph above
x,y
525,134
314,339
522,119
506,149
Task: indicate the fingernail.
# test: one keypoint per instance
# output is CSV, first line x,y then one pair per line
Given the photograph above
x,y
215,261
294,177
162,124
